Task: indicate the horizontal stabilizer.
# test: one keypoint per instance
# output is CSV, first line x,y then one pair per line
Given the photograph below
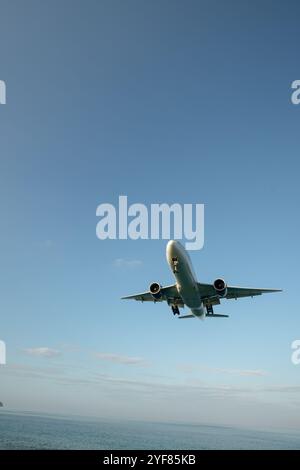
x,y
217,315
187,316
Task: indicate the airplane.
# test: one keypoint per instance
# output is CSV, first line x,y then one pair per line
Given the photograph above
x,y
199,297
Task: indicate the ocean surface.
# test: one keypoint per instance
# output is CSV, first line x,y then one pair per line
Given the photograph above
x,y
27,431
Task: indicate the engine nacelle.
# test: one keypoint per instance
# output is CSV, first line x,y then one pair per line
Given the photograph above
x,y
220,287
155,290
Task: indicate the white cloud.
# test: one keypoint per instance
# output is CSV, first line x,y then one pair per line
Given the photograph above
x,y
121,359
242,372
284,388
43,352
190,368
124,263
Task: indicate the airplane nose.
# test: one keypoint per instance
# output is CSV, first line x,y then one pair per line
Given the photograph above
x,y
171,243
171,249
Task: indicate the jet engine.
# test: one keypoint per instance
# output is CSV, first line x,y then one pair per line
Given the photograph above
x,y
155,290
220,287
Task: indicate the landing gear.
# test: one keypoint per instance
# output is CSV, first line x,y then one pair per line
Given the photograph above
x,y
175,265
209,310
175,310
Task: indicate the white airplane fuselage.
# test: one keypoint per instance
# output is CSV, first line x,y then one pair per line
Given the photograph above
x,y
186,281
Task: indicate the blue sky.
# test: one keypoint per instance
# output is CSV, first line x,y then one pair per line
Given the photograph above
x,y
162,101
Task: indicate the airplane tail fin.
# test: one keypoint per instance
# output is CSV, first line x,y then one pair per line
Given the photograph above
x,y
186,316
216,315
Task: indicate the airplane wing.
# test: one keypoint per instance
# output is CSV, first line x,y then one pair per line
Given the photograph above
x,y
208,292
169,293
236,292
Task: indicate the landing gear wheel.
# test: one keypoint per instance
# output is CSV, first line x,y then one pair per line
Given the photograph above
x,y
175,310
209,310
